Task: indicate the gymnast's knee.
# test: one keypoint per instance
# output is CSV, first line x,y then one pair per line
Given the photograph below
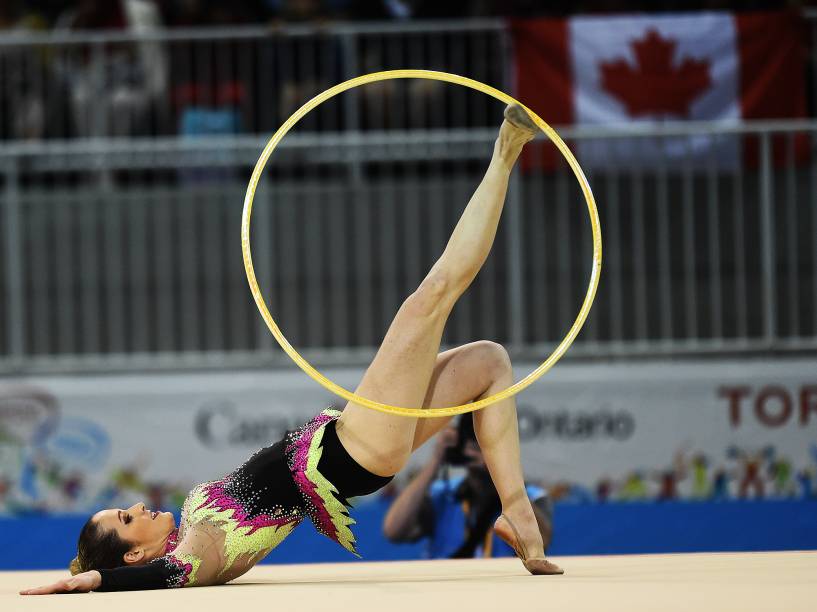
x,y
434,297
494,358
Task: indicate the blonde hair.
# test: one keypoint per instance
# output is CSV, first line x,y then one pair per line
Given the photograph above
x,y
74,567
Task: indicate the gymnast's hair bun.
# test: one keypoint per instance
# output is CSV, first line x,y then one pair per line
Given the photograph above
x,y
75,567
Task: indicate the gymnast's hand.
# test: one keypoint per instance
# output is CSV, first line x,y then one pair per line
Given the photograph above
x,y
81,583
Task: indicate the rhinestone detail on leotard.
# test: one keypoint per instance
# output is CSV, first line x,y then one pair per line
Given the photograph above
x,y
303,452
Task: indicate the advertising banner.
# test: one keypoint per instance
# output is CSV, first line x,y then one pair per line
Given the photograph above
x,y
589,432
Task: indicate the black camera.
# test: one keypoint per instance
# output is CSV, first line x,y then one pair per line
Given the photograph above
x,y
454,455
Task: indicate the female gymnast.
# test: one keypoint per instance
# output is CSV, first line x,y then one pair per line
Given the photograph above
x,y
228,525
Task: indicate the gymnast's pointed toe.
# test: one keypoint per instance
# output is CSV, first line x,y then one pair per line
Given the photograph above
x,y
538,566
542,567
518,117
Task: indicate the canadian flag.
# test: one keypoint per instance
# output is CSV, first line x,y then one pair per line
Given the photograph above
x,y
655,68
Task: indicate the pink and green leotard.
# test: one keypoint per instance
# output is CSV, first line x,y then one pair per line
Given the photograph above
x,y
228,525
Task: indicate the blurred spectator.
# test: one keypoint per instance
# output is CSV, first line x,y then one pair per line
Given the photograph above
x,y
114,87
10,11
410,9
30,96
456,514
192,13
304,65
299,11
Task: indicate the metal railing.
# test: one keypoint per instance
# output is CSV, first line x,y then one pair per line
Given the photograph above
x,y
123,252
107,275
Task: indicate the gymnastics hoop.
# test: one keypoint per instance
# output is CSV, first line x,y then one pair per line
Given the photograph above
x,y
315,374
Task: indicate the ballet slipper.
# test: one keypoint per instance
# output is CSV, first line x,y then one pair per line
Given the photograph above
x,y
538,566
519,118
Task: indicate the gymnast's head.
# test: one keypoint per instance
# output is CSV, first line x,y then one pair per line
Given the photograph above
x,y
115,538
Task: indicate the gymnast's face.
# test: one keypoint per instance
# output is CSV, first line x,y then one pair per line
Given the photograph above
x,y
147,531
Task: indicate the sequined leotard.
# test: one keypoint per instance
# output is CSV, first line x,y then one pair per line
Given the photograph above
x,y
228,525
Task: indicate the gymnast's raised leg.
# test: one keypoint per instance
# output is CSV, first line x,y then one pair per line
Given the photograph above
x,y
403,371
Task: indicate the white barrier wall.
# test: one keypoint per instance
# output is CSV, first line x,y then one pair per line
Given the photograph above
x,y
623,431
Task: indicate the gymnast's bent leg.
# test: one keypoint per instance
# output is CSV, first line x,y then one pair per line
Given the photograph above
x,y
402,370
469,373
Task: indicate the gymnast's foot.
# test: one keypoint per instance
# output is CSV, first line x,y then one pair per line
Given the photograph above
x,y
516,130
519,118
522,534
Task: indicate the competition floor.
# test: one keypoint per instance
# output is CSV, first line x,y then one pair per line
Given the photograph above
x,y
690,582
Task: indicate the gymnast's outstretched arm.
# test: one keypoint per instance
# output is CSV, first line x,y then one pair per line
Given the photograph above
x,y
197,561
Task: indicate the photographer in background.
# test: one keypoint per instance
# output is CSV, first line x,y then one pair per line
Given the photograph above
x,y
456,513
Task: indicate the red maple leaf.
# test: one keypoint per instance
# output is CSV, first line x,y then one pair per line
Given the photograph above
x,y
655,85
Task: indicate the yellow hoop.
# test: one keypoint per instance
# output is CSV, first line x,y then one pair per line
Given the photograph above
x,y
304,365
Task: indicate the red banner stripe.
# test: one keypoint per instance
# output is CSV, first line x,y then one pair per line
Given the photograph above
x,y
543,79
772,47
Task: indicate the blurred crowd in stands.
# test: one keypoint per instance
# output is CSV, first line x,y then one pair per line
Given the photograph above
x,y
111,14
199,87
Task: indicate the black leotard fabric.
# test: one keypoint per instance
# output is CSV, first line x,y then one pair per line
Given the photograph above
x,y
344,472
